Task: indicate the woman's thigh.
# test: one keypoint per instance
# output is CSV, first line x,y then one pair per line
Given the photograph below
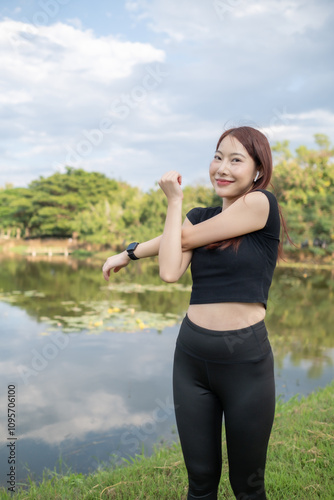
x,y
249,406
199,418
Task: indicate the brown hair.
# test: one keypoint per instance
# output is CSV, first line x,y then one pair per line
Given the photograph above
x,y
258,148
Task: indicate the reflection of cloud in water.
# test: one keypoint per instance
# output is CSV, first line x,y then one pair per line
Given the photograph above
x,y
74,419
95,395
93,384
305,376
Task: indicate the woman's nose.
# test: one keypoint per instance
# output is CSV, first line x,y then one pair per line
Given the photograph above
x,y
223,167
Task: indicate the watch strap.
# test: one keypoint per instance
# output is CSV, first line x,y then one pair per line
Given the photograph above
x,y
131,248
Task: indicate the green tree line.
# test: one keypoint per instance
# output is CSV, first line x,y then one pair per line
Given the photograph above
x,y
101,210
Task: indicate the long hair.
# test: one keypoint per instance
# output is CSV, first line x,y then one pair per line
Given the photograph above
x,y
258,148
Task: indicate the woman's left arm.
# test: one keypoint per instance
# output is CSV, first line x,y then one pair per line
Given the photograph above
x,y
247,214
173,260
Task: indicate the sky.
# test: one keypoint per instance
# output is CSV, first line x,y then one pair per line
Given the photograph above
x,y
133,89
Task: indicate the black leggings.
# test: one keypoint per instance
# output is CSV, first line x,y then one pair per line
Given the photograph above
x,y
226,373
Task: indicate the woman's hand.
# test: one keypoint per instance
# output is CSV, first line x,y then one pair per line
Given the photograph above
x,y
115,262
170,183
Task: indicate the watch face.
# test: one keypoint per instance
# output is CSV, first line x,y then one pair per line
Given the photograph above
x,y
132,247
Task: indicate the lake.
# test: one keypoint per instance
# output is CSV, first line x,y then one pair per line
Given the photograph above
x,y
90,362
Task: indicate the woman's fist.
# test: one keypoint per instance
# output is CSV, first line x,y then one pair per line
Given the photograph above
x,y
170,183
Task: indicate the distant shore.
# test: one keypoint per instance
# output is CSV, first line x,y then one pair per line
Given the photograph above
x,y
312,257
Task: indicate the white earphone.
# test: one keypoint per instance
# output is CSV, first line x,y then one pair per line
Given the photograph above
x,y
257,176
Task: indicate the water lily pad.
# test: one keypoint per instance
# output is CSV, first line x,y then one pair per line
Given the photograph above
x,y
138,288
33,293
97,316
8,298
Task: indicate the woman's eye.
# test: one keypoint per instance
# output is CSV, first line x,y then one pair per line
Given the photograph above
x,y
216,157
235,159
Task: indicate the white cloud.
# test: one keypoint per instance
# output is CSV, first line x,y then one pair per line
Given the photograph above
x,y
319,115
100,410
49,55
259,60
56,81
15,97
189,20
77,417
300,128
132,6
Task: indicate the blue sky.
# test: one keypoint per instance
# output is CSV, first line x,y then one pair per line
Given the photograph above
x,y
135,88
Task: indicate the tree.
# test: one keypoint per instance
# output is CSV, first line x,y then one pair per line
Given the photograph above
x,y
304,186
105,211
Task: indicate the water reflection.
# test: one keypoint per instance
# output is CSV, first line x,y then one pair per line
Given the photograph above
x,y
103,389
92,399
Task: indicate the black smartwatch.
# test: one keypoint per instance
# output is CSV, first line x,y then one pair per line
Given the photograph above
x,y
131,248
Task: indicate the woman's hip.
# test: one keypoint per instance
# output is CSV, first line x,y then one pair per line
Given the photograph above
x,y
243,345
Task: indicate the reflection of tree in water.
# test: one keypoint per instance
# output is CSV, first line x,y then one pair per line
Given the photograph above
x,y
79,299
299,317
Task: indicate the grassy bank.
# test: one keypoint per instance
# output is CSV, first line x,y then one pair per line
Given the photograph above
x,y
300,464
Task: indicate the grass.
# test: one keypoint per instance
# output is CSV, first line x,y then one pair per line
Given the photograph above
x,y
81,253
299,466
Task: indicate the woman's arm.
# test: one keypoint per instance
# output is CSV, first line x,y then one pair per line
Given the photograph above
x,y
117,262
246,215
173,262
170,268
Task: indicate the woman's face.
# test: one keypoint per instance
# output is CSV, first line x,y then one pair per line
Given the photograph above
x,y
232,170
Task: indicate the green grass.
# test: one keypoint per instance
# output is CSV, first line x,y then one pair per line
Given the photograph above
x,y
81,253
300,464
17,249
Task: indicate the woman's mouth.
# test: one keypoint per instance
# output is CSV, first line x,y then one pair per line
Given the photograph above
x,y
223,182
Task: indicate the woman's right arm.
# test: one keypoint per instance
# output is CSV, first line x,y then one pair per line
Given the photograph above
x,y
116,262
148,248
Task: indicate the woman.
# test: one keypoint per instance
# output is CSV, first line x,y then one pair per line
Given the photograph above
x,y
223,365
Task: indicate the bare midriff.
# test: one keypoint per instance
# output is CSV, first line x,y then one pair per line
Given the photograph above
x,y
226,315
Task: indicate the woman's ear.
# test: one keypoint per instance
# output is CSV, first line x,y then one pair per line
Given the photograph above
x,y
259,174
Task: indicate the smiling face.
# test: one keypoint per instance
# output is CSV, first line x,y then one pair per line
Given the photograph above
x,y
232,170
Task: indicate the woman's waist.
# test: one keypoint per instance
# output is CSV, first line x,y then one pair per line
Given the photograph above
x,y
226,315
243,345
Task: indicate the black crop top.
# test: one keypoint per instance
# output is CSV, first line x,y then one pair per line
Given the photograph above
x,y
228,275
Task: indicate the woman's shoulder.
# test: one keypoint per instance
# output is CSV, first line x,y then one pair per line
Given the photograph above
x,y
200,214
271,197
273,221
